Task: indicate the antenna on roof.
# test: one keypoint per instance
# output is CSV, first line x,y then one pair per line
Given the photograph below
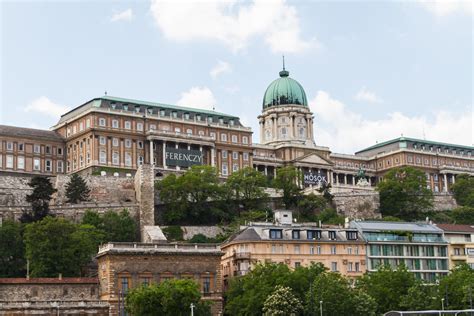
x,y
105,93
283,62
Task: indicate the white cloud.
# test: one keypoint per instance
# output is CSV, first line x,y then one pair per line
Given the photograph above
x,y
365,95
347,132
220,68
126,15
232,23
47,107
199,97
446,7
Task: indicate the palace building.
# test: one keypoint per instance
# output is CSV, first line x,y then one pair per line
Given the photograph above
x,y
115,135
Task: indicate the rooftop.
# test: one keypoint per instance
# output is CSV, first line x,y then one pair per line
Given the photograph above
x,y
456,228
395,226
126,248
32,133
415,140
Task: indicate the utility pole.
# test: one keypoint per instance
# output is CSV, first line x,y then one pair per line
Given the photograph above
x,y
321,308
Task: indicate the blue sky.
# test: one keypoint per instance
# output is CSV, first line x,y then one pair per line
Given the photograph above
x,y
372,70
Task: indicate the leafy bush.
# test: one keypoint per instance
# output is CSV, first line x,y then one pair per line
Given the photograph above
x,y
173,233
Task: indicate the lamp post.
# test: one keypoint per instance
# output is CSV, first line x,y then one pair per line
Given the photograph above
x,y
321,308
192,308
442,304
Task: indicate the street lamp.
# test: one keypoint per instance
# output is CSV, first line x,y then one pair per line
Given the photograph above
x,y
321,308
192,308
442,304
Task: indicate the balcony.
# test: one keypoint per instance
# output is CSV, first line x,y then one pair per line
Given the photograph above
x,y
179,135
240,272
242,256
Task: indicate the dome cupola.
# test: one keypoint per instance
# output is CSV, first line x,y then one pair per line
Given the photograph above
x,y
284,91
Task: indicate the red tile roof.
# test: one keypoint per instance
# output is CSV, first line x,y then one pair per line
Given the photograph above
x,y
49,281
456,228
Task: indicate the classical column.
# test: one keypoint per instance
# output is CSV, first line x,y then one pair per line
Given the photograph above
x,y
353,180
454,178
152,152
189,146
213,153
370,181
445,176
345,179
266,171
164,155
275,136
292,127
177,147
274,172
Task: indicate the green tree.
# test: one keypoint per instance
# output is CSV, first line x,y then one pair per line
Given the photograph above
x,y
325,190
364,304
463,215
39,199
172,298
282,302
403,193
77,189
457,287
287,180
55,245
309,205
421,296
334,292
189,197
387,287
119,227
463,190
246,188
12,250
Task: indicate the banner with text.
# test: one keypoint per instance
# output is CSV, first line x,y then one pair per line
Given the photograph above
x,y
183,157
314,178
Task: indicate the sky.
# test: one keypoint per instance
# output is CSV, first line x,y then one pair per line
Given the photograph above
x,y
372,70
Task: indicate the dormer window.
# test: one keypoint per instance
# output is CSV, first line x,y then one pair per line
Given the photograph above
x,y
221,120
295,234
162,113
125,107
209,119
276,234
332,235
137,109
198,117
313,234
150,111
231,122
113,105
174,114
351,235
186,116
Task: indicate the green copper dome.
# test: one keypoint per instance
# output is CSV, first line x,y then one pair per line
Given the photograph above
x,y
284,90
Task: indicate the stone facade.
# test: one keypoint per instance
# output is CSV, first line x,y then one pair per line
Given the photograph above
x,y
443,202
357,205
126,265
145,194
208,231
51,296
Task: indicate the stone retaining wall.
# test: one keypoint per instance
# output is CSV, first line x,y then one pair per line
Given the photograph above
x,y
358,205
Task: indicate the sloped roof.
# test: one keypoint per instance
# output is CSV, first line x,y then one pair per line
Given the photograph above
x,y
456,228
248,234
395,226
32,133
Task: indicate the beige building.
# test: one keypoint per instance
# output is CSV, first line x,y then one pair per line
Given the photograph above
x,y
122,266
283,241
461,243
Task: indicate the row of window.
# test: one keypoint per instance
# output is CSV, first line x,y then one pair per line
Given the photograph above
x,y
284,133
409,251
314,250
310,234
445,150
20,163
411,264
36,148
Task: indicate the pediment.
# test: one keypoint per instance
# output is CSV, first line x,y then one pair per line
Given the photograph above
x,y
313,159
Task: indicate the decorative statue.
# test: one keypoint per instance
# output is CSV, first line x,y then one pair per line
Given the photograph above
x,y
361,180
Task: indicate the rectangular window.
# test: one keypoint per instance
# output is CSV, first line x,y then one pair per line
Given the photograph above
x,y
20,163
102,140
47,150
140,127
206,285
235,167
115,142
245,140
234,138
311,250
115,158
128,143
81,126
357,267
9,162
351,235
295,234
37,149
102,157
128,125
235,155
213,135
276,234
115,124
297,249
225,171
60,151
332,235
36,164
297,264
223,137
318,250
21,147
140,160
333,266
333,250
128,159
224,154
101,121
88,123
349,267
153,127
140,144
246,156
349,250
146,281
124,284
59,166
48,165
313,234
9,146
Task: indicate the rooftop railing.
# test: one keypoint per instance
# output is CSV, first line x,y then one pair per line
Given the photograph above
x,y
164,247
